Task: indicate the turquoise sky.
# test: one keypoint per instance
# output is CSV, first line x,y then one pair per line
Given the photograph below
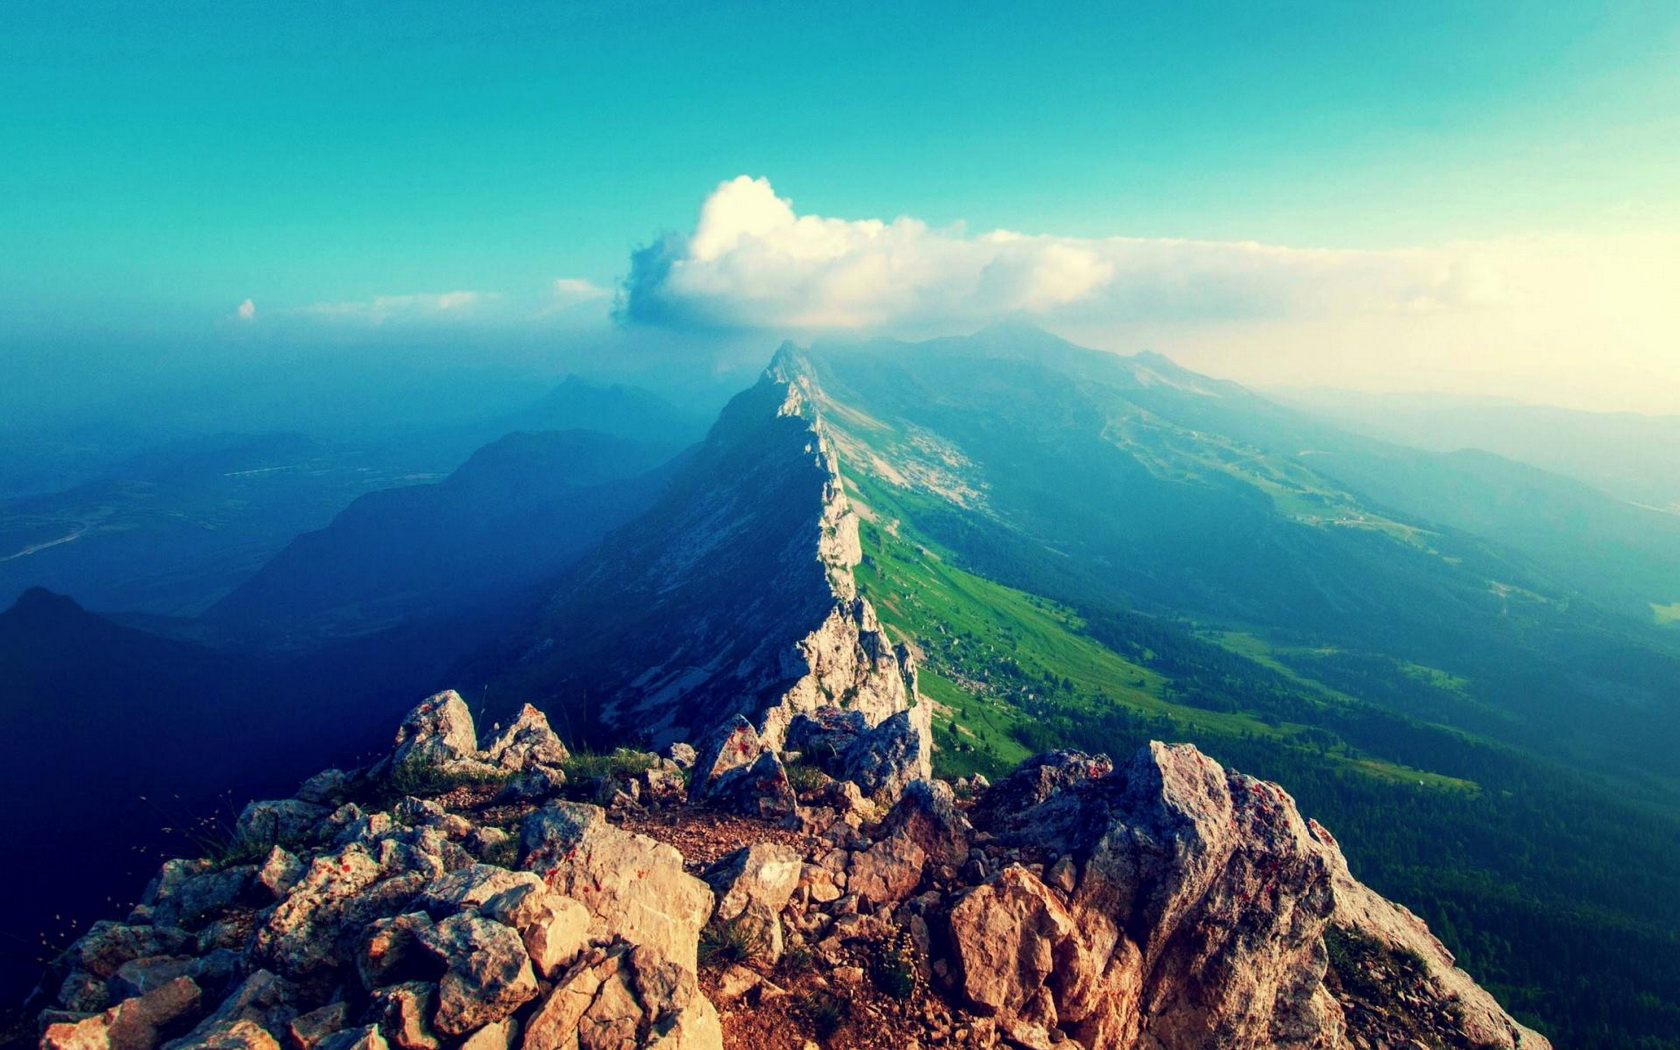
x,y
161,162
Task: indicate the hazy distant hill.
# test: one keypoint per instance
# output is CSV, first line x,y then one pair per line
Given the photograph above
x,y
172,528
1633,456
513,515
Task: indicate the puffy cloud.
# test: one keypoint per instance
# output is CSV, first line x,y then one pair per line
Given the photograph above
x,y
246,311
753,262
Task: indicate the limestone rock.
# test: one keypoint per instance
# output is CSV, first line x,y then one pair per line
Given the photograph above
x,y
927,815
527,744
1198,911
133,1024
277,822
1477,1016
497,1036
886,759
553,927
626,999
307,1030
753,885
326,788
633,887
886,872
824,736
139,976
262,1004
364,1038
248,1035
391,951
404,1012
1006,935
489,973
279,872
470,887
301,933
437,732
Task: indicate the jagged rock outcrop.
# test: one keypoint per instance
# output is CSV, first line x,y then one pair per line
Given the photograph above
x,y
1162,904
733,597
1197,908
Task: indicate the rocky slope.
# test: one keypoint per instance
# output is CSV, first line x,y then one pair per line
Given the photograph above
x,y
502,892
733,596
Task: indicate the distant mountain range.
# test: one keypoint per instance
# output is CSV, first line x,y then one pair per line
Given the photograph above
x,y
1632,456
173,528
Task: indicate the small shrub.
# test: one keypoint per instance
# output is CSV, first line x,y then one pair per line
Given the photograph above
x,y
798,959
423,780
825,1012
804,776
504,854
584,766
894,971
724,944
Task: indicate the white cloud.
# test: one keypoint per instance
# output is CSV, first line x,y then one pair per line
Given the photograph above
x,y
574,291
752,261
456,305
246,311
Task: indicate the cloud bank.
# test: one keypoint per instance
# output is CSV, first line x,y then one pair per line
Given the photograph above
x,y
753,262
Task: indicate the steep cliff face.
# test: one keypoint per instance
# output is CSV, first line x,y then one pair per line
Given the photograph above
x,y
733,596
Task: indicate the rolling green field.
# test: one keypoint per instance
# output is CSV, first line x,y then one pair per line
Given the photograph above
x,y
993,653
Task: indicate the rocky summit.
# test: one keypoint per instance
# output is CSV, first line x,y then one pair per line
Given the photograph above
x,y
817,890
734,597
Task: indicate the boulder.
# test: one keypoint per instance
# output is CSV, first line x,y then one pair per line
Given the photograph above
x,y
367,1037
133,1024
626,997
189,901
1006,936
633,887
489,974
753,885
326,788
262,1004
738,772
404,1014
244,1035
682,754
391,951
301,934
277,822
528,744
822,737
1199,905
553,927
497,1036
279,872
470,887
307,1030
886,759
437,732
1012,803
927,815
886,872
139,976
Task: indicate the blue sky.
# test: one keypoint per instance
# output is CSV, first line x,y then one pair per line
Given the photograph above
x,y
160,164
